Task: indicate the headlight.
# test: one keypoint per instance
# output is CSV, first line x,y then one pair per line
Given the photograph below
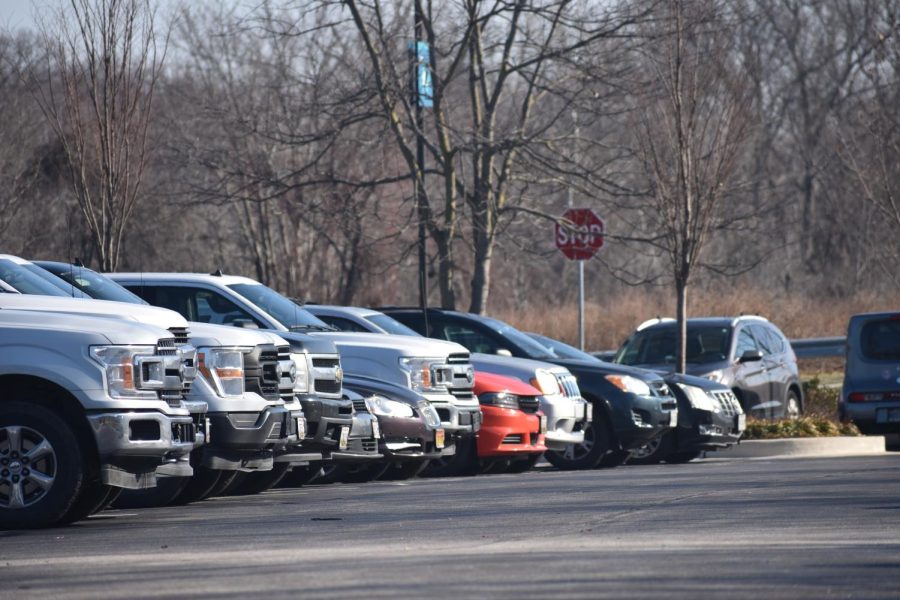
x,y
385,407
422,375
627,383
223,369
431,416
123,375
698,398
301,383
501,400
546,382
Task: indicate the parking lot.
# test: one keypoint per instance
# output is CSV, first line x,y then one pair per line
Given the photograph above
x,y
777,528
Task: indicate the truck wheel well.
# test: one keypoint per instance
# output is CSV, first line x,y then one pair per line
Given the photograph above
x,y
40,391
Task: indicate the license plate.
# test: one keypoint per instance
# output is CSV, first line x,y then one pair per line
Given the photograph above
x,y
887,415
345,436
741,421
376,429
673,418
301,428
439,438
543,428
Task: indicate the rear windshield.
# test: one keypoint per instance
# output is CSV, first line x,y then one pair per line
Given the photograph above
x,y
880,340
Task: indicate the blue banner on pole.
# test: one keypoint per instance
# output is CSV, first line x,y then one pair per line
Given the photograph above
x,y
422,86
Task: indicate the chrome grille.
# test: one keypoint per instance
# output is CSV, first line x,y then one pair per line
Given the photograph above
x,y
324,375
360,406
181,334
458,359
167,347
728,402
568,384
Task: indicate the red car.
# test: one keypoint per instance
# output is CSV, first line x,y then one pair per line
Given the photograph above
x,y
512,433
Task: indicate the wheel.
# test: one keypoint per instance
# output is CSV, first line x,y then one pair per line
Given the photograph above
x,y
792,407
585,455
401,471
166,491
463,463
494,466
679,458
42,466
92,499
110,498
254,483
199,485
299,476
364,473
227,481
525,464
616,458
653,451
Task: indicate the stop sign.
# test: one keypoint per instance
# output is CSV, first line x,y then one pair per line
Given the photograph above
x,y
582,236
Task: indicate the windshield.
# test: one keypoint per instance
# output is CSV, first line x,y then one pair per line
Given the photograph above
x,y
562,349
656,345
23,280
530,347
285,311
95,285
391,325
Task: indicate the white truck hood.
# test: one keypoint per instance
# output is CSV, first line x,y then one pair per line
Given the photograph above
x,y
405,345
112,328
142,313
206,334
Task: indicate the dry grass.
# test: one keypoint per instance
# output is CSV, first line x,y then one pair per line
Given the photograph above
x,y
798,428
609,321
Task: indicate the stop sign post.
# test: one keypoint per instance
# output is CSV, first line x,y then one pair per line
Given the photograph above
x,y
579,235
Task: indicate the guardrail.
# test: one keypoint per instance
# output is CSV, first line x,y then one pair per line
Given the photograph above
x,y
824,347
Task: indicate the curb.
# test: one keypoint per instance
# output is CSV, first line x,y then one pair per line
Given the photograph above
x,y
824,446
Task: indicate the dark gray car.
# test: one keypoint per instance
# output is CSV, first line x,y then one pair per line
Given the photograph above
x,y
748,354
871,393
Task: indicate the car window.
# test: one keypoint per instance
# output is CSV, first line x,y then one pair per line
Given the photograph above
x,y
880,340
472,339
194,304
26,282
745,343
776,339
391,325
343,324
762,339
657,345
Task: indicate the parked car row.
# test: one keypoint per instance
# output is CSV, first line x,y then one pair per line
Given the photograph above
x,y
148,389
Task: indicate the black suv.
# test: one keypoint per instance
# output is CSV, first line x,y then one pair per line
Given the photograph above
x,y
748,354
631,406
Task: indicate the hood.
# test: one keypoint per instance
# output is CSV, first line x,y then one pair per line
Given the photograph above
x,y
703,383
205,334
577,367
403,344
491,383
695,369
114,330
142,313
368,386
303,342
496,363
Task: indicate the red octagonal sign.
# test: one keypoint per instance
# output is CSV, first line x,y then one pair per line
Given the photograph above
x,y
579,233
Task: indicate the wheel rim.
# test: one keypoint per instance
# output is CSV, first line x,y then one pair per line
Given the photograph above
x,y
27,467
575,452
792,409
648,449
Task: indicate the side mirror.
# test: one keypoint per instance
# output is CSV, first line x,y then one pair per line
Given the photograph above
x,y
504,352
751,356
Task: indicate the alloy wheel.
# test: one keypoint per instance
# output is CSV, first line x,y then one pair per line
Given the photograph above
x,y
28,466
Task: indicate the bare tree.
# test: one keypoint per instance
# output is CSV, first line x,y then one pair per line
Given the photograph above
x,y
104,60
691,131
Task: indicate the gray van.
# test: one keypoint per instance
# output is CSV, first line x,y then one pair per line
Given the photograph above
x,y
871,393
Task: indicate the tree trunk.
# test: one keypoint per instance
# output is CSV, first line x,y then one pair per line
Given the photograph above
x,y
444,243
484,250
681,315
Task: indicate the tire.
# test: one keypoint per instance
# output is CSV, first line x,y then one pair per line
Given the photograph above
x,y
616,458
227,482
42,466
166,491
463,463
364,473
653,452
300,476
679,458
92,500
255,483
523,465
586,455
199,486
402,471
494,466
792,406
110,498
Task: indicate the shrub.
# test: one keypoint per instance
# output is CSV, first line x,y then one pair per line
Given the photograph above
x,y
807,426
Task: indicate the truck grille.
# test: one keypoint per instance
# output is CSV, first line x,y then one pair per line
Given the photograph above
x,y
370,445
460,358
325,370
183,432
261,371
285,384
360,406
529,404
167,347
728,402
568,384
181,335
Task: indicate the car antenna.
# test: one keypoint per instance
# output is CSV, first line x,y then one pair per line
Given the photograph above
x,y
217,273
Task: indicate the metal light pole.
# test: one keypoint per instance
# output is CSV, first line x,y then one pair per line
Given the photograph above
x,y
419,180
580,262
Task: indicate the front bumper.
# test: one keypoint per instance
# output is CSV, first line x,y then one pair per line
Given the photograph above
x,y
362,445
640,419
324,419
149,435
566,420
404,438
705,430
457,421
509,432
247,441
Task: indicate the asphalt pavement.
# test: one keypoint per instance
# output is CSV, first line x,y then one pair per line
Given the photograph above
x,y
778,528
